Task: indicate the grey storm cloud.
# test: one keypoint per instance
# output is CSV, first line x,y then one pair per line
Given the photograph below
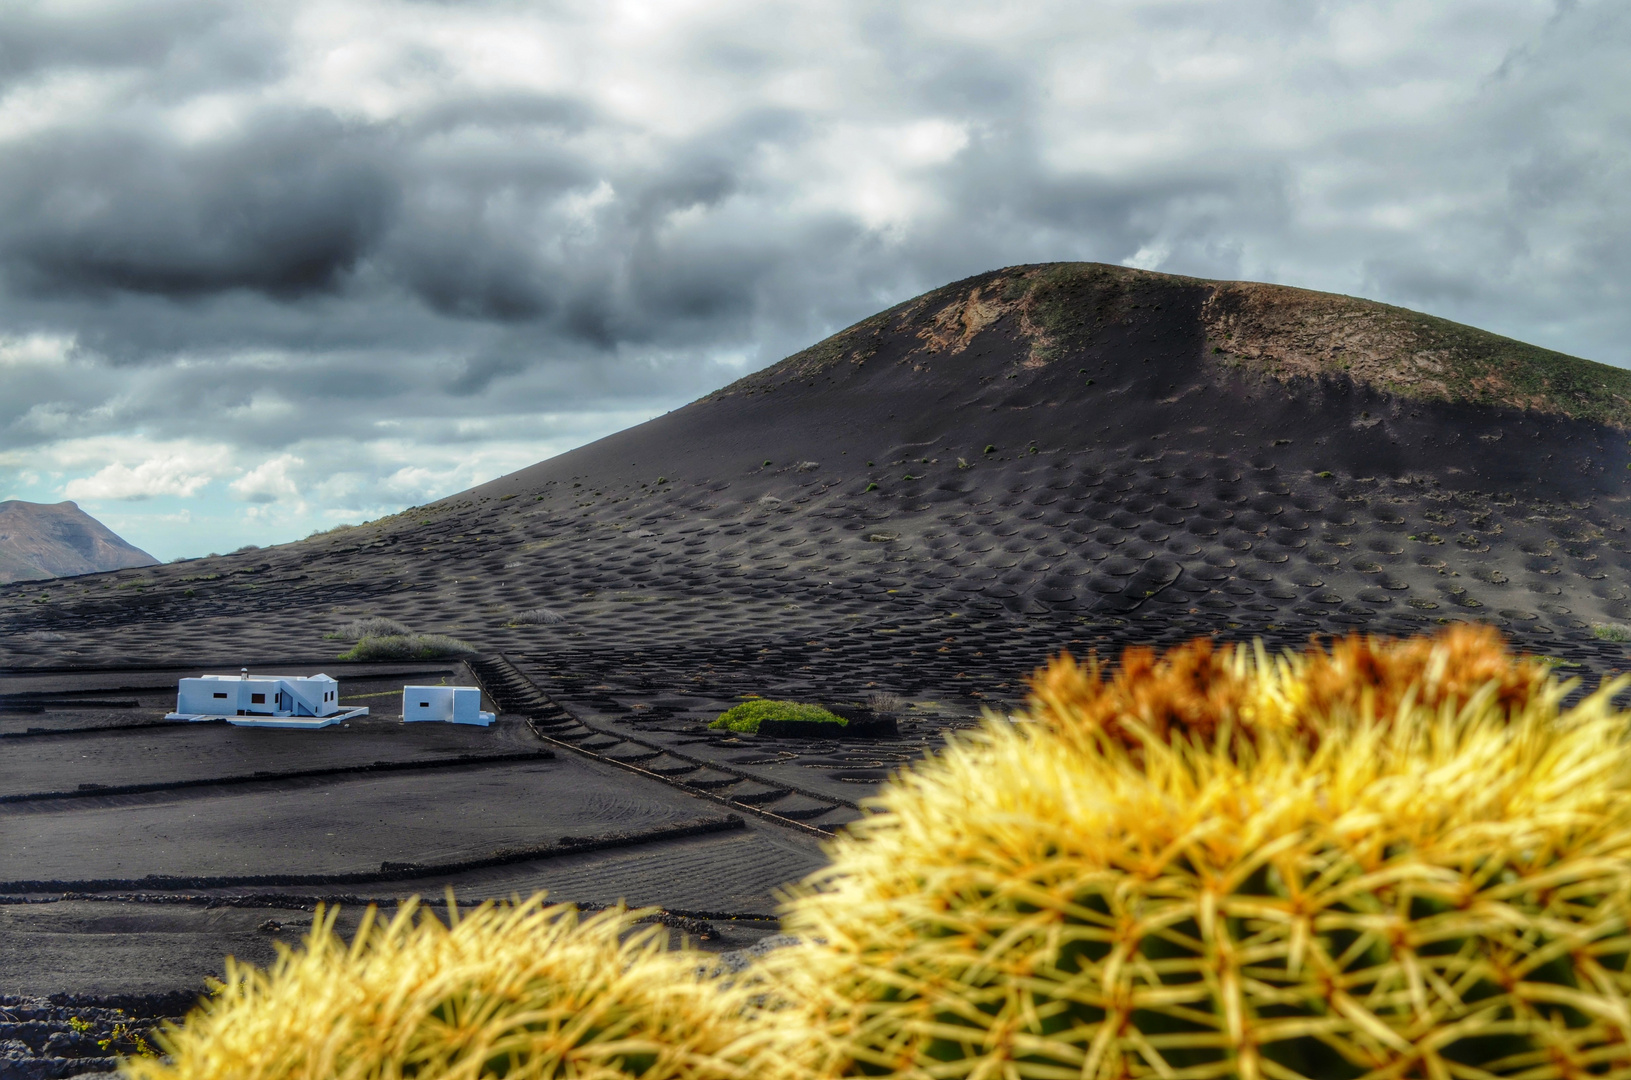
x,y
285,207
188,43
476,215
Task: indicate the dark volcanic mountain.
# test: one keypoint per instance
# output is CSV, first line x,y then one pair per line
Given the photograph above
x,y
1063,455
39,540
903,519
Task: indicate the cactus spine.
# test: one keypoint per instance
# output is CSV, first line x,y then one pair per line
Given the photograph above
x,y
521,991
1278,882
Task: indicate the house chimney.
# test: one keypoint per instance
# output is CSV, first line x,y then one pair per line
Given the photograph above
x,y
243,673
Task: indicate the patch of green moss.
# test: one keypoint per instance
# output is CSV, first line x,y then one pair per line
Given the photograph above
x,y
746,717
1069,302
1553,381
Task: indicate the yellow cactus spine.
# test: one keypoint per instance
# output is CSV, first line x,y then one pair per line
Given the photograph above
x,y
1355,863
521,991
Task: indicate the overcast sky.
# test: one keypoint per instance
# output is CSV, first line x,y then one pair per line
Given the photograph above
x,y
266,267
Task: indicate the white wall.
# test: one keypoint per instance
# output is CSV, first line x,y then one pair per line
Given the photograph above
x,y
230,694
199,696
448,704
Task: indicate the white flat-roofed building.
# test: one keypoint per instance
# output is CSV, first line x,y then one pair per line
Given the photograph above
x,y
292,701
447,704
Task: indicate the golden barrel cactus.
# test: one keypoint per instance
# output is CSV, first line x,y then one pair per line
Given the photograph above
x,y
1389,859
519,991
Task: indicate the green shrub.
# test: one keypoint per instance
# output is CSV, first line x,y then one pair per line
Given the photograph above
x,y
1612,631
407,647
747,717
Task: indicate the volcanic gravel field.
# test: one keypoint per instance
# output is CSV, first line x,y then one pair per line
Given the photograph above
x,y
926,506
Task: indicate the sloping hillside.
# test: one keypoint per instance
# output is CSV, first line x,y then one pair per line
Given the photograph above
x,y
40,540
1055,456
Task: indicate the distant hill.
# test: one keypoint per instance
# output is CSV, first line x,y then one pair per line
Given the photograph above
x,y
40,540
1069,456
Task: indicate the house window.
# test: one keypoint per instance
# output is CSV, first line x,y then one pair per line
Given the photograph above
x,y
257,699
220,695
424,704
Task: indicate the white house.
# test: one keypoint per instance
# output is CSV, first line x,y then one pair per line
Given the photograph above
x,y
449,704
287,701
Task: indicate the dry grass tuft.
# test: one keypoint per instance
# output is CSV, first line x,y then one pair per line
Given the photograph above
x,y
370,626
537,617
886,703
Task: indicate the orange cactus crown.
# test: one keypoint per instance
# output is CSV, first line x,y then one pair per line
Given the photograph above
x,y
1197,688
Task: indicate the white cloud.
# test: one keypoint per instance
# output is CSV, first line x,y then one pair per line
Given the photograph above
x,y
270,481
35,350
169,475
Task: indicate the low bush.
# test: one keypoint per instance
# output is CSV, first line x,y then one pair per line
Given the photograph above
x,y
1612,631
407,647
746,717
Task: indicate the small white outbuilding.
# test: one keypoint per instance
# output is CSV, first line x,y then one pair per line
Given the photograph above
x,y
448,704
279,701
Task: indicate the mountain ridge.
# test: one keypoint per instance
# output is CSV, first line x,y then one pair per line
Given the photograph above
x,y
47,540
